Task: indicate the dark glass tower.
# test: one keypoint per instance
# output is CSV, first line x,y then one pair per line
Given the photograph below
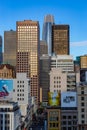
x,y
9,56
1,59
47,32
60,39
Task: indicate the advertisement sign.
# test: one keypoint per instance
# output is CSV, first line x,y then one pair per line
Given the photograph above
x,y
6,89
68,99
53,98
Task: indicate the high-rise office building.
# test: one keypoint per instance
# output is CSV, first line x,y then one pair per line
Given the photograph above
x,y
60,39
1,57
47,32
44,76
28,52
10,47
43,48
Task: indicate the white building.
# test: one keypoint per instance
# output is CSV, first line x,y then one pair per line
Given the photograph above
x,y
9,115
63,61
21,94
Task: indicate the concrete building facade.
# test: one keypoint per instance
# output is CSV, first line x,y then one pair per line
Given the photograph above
x,y
58,80
82,106
7,71
63,61
54,118
69,118
9,115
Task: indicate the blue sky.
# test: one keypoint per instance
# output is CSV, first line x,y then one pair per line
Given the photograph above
x,y
72,12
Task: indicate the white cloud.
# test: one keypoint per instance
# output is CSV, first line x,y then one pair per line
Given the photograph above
x,y
82,43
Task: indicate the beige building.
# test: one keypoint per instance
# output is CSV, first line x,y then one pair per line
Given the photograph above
x,y
63,81
28,52
82,106
83,62
54,118
58,80
7,71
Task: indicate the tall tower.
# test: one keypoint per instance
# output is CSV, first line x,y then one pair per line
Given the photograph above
x,y
1,59
47,32
60,39
10,47
28,52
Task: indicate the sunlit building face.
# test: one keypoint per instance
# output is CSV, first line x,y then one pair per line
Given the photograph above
x,y
27,52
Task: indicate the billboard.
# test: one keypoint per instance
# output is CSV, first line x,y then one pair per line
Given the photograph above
x,y
68,99
6,89
54,98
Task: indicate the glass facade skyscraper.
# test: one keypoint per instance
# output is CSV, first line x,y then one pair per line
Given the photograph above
x,y
28,52
9,56
47,32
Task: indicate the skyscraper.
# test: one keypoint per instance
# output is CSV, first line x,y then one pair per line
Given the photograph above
x,y
1,59
47,32
44,76
60,39
43,48
28,52
10,47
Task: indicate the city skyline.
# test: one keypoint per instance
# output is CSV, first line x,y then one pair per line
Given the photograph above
x,y
68,12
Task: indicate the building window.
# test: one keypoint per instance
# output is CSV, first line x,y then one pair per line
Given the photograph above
x,y
64,128
69,117
74,117
50,124
82,92
82,121
64,122
69,123
82,98
82,104
64,117
82,116
69,128
82,110
53,124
